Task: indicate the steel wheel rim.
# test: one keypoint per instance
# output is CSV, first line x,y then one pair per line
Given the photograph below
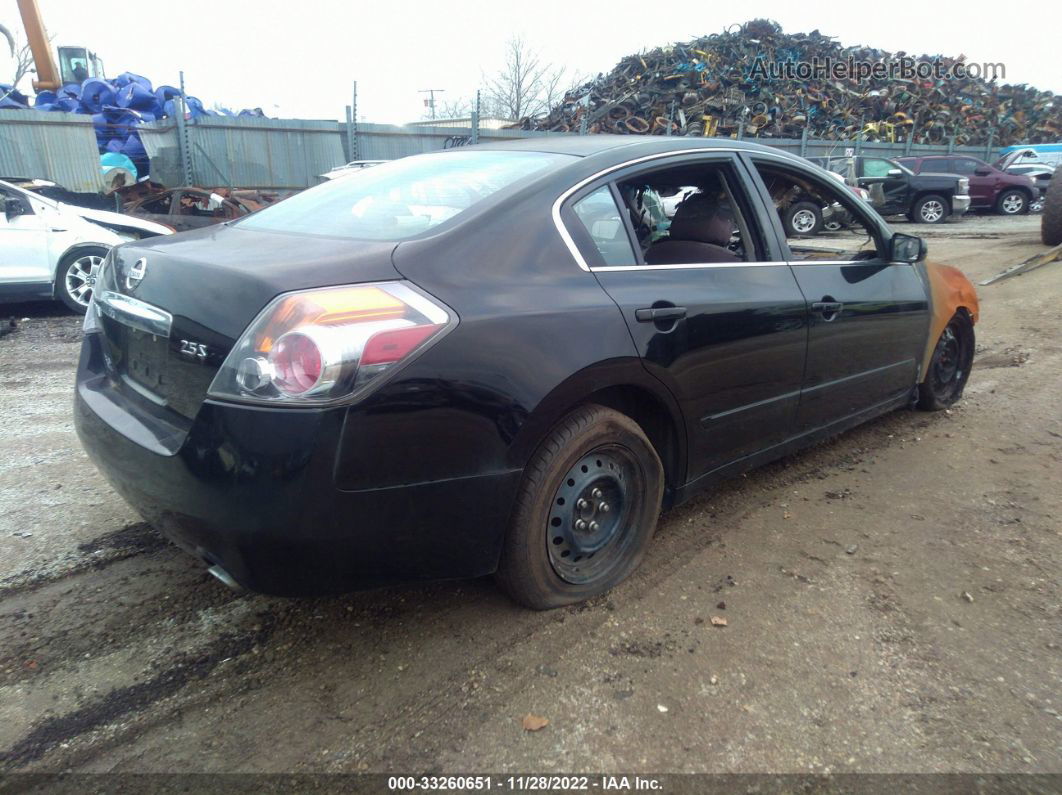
x,y
1012,203
832,226
81,278
589,530
932,211
947,362
803,221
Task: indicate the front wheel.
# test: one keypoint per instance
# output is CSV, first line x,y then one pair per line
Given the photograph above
x,y
931,209
585,512
949,368
75,278
803,219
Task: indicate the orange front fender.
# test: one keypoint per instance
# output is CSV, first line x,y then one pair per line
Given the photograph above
x,y
950,291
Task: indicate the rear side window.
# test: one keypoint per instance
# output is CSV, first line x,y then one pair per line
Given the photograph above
x,y
403,198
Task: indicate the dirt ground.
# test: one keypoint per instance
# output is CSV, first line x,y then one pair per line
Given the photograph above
x,y
891,597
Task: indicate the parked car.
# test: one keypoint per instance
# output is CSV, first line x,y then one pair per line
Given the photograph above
x,y
50,250
191,208
1030,154
352,167
1041,176
990,188
927,198
484,360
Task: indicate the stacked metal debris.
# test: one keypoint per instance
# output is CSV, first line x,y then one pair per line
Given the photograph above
x,y
712,86
117,107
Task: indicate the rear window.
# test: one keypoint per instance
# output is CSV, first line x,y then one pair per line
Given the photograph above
x,y
401,199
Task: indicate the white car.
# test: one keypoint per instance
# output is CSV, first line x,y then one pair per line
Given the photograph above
x,y
52,250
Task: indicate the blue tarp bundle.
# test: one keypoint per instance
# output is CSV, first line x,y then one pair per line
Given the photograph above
x,y
117,108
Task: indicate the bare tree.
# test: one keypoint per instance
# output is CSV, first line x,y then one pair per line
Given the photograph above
x,y
525,86
454,109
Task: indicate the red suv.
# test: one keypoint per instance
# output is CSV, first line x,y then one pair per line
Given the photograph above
x,y
990,188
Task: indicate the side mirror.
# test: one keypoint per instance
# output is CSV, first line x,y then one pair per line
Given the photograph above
x,y
894,172
906,248
982,172
12,207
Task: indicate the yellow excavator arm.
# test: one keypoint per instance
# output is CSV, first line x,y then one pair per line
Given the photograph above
x,y
47,70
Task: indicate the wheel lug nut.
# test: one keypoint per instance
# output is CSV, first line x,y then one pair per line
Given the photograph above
x,y
603,507
582,504
594,527
596,494
580,525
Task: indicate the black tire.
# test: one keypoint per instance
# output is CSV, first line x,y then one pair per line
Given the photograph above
x,y
803,219
949,368
930,209
75,277
595,456
1051,220
1013,202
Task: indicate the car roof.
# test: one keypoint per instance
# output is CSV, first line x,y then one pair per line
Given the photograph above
x,y
588,145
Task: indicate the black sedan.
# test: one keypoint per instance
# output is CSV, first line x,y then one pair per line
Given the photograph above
x,y
499,359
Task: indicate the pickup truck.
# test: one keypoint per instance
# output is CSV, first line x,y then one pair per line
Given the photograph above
x,y
990,187
926,198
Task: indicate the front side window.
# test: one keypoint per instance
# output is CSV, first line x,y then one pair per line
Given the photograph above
x,y
821,218
402,198
963,165
877,167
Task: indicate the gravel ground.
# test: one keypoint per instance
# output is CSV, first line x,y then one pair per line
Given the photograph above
x,y
891,597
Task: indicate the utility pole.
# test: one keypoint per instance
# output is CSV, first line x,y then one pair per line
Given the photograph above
x,y
430,102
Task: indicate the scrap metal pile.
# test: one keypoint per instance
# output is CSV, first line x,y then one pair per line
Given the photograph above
x,y
117,108
712,86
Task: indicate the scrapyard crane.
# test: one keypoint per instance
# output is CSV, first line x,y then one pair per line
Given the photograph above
x,y
76,64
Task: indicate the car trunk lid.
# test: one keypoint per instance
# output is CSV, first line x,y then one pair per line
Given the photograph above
x,y
171,309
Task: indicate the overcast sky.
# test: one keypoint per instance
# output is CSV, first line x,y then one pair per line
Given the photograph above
x,y
299,59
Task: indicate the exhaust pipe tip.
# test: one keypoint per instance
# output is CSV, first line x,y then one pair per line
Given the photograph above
x,y
225,578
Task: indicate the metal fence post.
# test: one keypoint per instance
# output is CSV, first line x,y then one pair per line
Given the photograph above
x,y
475,121
951,143
353,129
584,120
910,140
350,135
988,147
182,137
804,141
670,118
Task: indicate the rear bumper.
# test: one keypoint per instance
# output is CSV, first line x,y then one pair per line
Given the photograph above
x,y
253,490
960,204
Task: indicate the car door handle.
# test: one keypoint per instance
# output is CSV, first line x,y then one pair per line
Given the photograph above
x,y
827,308
659,314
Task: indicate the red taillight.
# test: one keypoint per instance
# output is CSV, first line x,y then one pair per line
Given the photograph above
x,y
392,346
296,361
316,346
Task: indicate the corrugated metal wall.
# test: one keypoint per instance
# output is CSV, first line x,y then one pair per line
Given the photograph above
x,y
56,146
249,152
245,151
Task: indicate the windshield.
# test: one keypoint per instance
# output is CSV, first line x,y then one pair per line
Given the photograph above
x,y
403,198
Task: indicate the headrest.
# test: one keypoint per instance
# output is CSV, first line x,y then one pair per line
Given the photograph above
x,y
700,218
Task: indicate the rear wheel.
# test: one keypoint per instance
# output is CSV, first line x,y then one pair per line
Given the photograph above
x,y
1013,202
949,368
585,513
931,209
75,278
